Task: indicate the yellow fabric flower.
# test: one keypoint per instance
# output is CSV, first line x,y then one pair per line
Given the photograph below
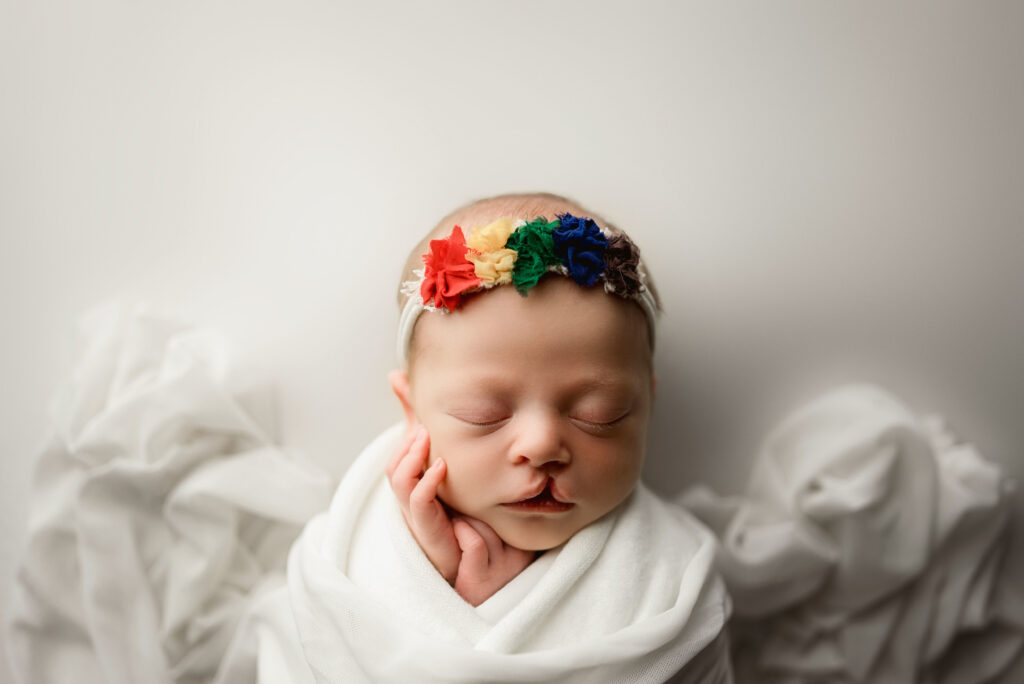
x,y
492,261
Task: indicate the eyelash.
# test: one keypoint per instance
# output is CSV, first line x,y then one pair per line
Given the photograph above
x,y
590,424
601,426
490,423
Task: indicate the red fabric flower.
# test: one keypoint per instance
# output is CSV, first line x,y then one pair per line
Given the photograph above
x,y
447,273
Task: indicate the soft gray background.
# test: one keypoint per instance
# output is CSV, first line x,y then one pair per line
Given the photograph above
x,y
822,190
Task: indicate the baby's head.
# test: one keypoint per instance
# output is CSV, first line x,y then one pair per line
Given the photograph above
x,y
544,397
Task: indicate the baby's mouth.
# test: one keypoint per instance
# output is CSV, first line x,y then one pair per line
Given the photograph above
x,y
544,502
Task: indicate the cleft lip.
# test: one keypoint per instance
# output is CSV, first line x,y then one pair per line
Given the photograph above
x,y
534,492
556,493
549,487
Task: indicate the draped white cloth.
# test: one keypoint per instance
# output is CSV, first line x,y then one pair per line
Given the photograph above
x,y
160,507
630,598
868,548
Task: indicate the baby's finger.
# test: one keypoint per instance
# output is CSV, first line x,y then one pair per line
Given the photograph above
x,y
427,512
495,545
409,469
425,493
474,550
402,450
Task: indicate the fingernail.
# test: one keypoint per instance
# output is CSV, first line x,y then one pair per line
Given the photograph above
x,y
437,464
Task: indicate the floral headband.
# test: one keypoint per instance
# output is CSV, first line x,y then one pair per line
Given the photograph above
x,y
507,252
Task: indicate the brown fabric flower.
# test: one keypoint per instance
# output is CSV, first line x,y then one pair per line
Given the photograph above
x,y
622,258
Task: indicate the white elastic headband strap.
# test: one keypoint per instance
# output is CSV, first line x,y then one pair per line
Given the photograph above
x,y
406,322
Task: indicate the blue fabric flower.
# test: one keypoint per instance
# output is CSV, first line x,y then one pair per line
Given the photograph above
x,y
580,245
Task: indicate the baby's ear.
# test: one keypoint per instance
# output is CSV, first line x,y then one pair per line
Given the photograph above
x,y
399,380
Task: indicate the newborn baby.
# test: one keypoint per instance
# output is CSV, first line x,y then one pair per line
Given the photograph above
x,y
531,414
500,532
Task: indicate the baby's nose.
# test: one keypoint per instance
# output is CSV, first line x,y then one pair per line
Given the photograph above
x,y
540,440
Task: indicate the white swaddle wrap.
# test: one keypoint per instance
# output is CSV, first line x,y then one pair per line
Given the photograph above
x,y
630,598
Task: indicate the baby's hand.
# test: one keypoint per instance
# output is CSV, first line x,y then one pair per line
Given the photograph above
x,y
487,562
416,490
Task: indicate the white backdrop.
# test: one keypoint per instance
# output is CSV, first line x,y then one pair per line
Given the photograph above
x,y
822,191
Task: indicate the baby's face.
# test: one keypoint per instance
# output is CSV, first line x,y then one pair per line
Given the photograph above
x,y
544,398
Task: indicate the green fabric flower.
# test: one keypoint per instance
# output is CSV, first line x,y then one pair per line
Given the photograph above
x,y
536,252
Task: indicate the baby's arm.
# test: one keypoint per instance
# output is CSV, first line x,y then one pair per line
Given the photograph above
x,y
466,551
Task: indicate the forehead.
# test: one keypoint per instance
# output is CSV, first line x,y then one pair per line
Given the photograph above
x,y
559,327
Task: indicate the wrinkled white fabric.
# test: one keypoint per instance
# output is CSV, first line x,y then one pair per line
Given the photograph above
x,y
630,598
160,507
867,549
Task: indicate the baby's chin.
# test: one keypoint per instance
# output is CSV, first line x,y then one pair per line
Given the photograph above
x,y
535,534
528,533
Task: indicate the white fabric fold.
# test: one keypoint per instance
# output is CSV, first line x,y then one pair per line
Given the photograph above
x,y
631,598
868,548
160,507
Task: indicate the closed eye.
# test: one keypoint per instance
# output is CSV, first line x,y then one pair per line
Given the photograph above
x,y
600,425
479,421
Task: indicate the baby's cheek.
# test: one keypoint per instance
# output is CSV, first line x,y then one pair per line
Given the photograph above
x,y
616,472
460,496
440,444
458,484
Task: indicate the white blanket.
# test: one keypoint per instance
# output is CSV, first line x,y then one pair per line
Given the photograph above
x,y
630,598
868,548
160,507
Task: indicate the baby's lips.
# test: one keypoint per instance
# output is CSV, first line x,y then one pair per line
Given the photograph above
x,y
557,494
532,492
549,485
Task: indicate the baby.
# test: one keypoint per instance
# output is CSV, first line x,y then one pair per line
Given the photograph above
x,y
527,415
527,384
500,532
